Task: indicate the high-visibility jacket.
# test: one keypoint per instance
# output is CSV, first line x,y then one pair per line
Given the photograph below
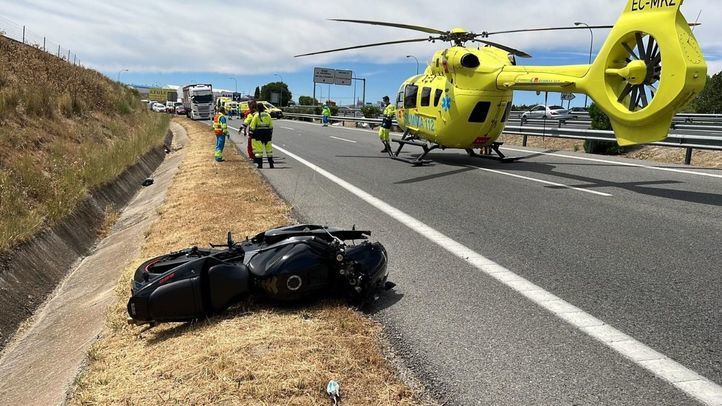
x,y
220,124
248,117
390,110
326,111
261,126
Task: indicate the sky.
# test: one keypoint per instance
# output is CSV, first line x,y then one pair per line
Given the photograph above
x,y
241,45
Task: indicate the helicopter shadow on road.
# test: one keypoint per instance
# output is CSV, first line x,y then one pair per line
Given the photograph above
x,y
584,182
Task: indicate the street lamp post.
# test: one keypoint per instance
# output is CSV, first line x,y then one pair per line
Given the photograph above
x,y
591,47
281,77
122,70
417,62
363,98
236,83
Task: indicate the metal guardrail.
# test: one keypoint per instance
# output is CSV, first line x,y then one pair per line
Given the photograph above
x,y
686,118
688,141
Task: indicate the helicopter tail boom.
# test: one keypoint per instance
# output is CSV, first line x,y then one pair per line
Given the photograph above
x,y
649,67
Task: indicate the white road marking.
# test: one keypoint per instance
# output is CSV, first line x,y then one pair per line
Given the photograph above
x,y
712,175
657,363
344,128
545,182
606,161
287,128
341,139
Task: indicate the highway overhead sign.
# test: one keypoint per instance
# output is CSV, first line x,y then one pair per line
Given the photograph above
x,y
332,76
343,77
323,75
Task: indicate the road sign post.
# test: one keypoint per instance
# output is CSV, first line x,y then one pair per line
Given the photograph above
x,y
329,76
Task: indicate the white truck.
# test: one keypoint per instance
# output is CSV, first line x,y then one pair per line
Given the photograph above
x,y
198,101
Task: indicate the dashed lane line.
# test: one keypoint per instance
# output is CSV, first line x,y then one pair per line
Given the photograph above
x,y
341,139
685,171
546,182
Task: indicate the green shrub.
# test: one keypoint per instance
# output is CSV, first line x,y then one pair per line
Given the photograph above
x,y
370,111
600,121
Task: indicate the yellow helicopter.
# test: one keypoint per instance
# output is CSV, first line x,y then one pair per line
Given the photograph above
x,y
649,67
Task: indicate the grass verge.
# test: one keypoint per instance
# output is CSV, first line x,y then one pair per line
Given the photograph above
x,y
253,354
64,130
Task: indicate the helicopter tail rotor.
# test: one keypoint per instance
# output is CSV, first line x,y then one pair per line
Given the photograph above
x,y
648,69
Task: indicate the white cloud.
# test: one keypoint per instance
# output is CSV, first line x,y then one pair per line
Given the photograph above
x,y
714,67
258,37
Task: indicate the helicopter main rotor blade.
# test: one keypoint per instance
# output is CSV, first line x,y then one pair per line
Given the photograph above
x,y
580,27
397,25
403,41
510,50
594,27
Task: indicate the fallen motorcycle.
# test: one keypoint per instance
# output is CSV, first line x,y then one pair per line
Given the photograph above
x,y
284,264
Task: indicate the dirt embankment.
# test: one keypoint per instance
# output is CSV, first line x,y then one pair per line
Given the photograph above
x,y
64,130
253,354
66,133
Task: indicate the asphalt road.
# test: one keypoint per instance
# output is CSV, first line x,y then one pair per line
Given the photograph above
x,y
636,247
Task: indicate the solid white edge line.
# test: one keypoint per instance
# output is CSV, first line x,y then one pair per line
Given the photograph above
x,y
341,139
288,128
581,158
660,365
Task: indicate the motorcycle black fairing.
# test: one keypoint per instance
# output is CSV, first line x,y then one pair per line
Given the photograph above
x,y
288,263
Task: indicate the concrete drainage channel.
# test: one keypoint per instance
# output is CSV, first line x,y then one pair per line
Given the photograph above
x,y
53,344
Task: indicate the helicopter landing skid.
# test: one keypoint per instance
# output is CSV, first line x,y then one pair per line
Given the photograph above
x,y
407,139
486,153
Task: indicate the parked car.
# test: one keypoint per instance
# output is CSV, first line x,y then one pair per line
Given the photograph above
x,y
180,110
576,112
550,112
158,107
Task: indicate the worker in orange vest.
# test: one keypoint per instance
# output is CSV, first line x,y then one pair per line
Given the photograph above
x,y
220,129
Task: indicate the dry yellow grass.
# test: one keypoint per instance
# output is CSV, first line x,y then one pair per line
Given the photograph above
x,y
64,130
253,354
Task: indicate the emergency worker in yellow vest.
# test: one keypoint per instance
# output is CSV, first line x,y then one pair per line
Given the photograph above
x,y
386,122
220,129
261,129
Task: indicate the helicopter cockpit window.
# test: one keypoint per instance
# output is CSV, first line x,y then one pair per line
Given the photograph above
x,y
400,100
481,110
437,96
425,96
410,96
